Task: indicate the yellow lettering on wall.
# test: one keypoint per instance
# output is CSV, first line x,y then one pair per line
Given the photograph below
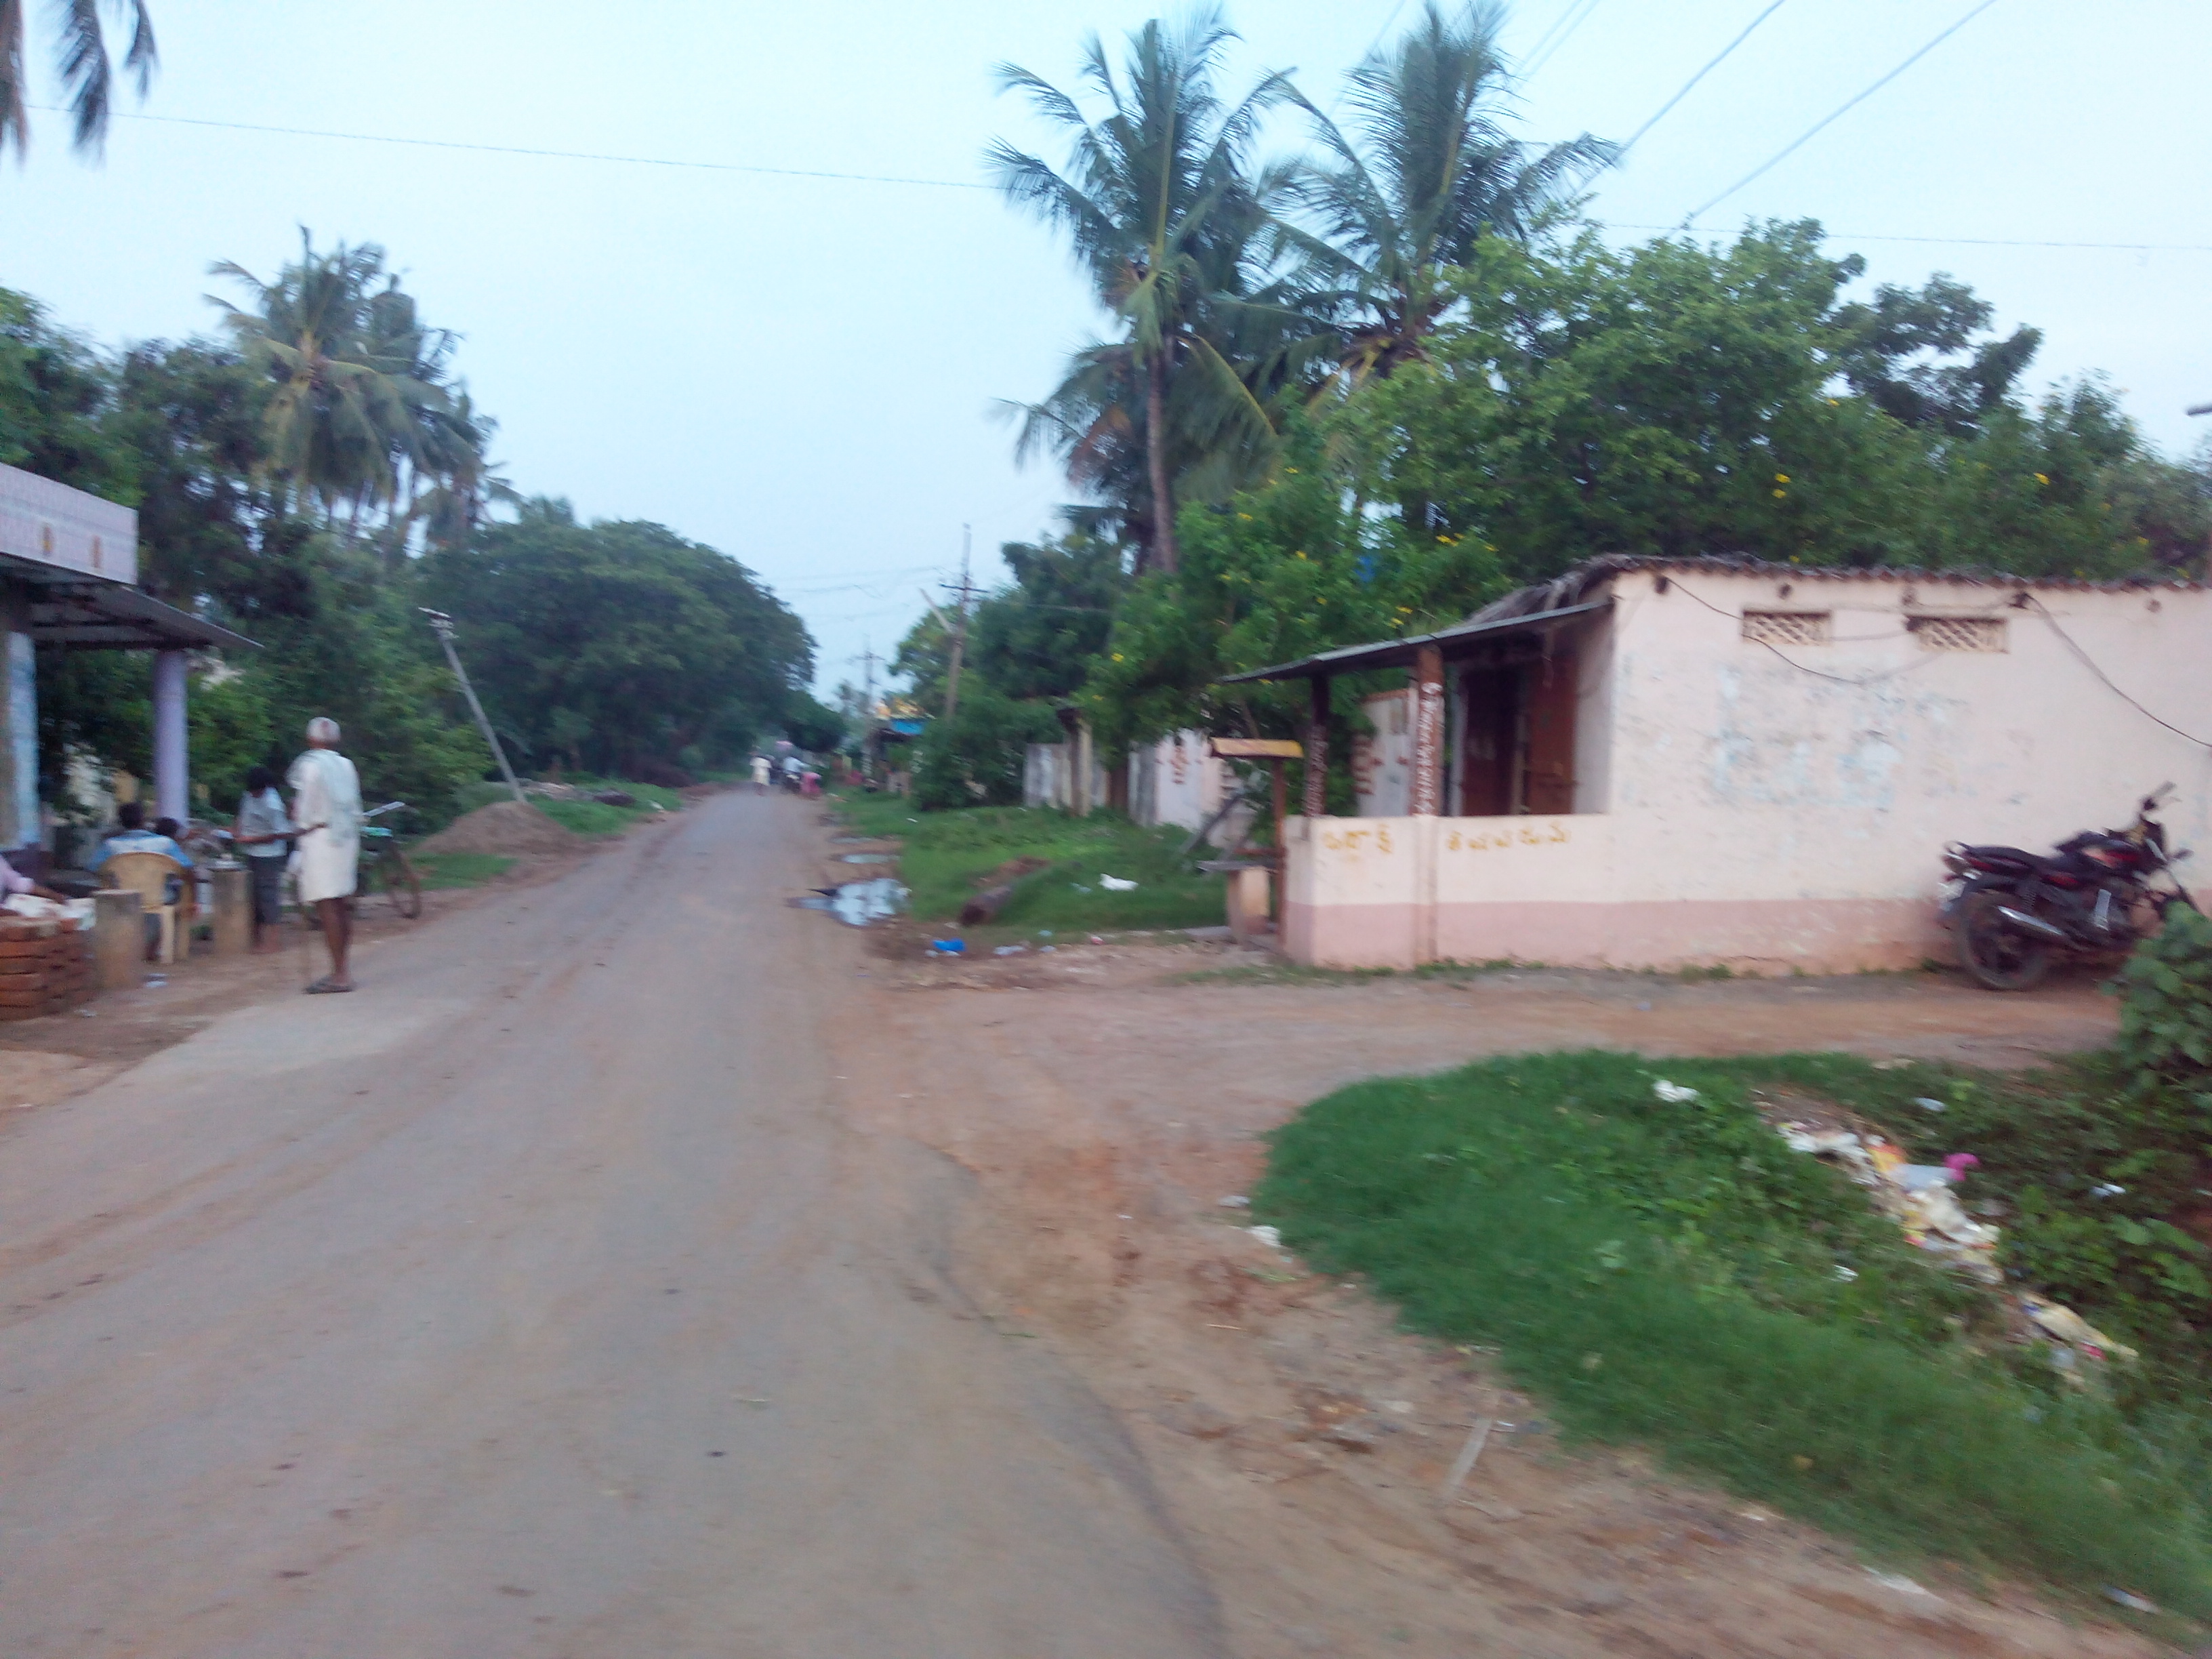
x,y
1382,839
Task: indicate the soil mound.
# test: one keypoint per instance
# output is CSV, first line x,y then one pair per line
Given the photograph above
x,y
505,827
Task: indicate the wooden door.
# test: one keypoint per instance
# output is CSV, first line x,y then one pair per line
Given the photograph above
x,y
1490,743
1548,785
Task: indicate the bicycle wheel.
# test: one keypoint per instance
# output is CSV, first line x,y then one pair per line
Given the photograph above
x,y
401,884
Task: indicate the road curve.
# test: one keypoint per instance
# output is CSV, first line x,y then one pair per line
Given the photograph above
x,y
536,1301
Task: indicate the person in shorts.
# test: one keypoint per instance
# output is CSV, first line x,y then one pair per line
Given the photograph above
x,y
263,833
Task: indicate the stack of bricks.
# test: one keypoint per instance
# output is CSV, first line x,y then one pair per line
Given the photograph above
x,y
45,967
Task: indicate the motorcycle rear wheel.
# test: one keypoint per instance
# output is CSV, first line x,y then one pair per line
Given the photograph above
x,y
1997,954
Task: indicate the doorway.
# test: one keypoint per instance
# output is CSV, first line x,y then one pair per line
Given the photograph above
x,y
1518,751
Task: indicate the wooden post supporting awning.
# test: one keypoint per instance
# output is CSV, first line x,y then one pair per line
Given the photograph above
x,y
1316,790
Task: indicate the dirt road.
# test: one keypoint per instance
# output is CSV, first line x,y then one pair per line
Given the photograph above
x,y
536,1301
638,1266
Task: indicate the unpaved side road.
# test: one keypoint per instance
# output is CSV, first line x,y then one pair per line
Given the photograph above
x,y
537,1300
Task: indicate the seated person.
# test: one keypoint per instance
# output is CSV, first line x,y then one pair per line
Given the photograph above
x,y
12,881
131,836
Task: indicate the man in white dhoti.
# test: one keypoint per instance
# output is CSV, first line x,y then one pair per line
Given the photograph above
x,y
326,806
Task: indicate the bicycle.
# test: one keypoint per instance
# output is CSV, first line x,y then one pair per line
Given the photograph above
x,y
384,868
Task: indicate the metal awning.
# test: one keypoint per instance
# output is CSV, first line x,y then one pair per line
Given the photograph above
x,y
1454,641
77,613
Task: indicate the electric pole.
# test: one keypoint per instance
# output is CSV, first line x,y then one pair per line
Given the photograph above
x,y
867,659
959,630
442,626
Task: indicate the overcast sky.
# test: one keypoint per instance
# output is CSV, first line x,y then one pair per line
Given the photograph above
x,y
800,371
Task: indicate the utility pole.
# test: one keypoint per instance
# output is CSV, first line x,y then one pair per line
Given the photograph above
x,y
959,630
442,626
867,659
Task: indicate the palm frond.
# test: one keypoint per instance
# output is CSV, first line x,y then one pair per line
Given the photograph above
x,y
14,120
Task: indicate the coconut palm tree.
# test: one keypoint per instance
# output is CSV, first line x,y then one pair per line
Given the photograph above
x,y
1426,173
355,397
80,56
1160,210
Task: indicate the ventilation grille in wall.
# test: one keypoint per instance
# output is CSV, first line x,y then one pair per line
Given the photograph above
x,y
1959,633
1786,627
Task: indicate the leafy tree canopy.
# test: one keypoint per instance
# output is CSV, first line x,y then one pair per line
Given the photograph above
x,y
615,644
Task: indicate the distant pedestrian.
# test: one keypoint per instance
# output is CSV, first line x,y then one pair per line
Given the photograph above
x,y
264,833
326,806
760,775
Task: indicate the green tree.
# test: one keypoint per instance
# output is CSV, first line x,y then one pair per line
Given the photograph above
x,y
1426,172
359,410
1035,639
617,644
1160,211
55,391
88,72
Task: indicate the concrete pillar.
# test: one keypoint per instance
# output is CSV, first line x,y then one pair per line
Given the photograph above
x,y
1428,790
1248,903
232,908
19,802
119,939
173,796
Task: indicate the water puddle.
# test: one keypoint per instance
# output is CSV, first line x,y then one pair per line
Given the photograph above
x,y
857,904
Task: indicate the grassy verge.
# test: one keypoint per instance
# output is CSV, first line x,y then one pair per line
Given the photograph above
x,y
444,870
945,852
1669,1274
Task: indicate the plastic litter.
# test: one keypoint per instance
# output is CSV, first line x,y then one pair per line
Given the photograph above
x,y
2071,1328
1011,951
1115,885
1928,1104
1267,1236
1237,1201
2106,1190
949,947
2130,1600
1847,1275
1674,1094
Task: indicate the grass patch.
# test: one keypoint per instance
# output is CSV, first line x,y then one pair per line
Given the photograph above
x,y
1668,1273
444,870
945,852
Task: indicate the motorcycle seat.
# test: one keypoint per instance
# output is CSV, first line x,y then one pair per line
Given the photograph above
x,y
2012,855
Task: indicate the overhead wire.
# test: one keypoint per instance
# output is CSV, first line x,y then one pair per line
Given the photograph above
x,y
2105,679
556,155
1834,115
1711,64
1544,55
956,183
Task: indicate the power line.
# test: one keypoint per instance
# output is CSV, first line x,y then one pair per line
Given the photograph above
x,y
556,155
1710,67
955,184
1552,50
1980,241
1849,104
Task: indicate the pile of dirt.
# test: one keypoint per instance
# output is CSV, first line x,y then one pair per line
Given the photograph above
x,y
505,827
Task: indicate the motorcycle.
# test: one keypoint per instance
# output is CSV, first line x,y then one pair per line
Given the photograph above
x,y
2015,911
